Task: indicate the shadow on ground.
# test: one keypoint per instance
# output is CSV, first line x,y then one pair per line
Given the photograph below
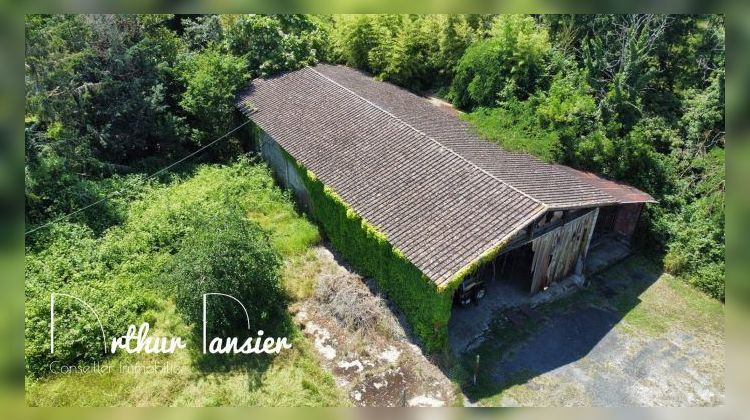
x,y
254,366
521,346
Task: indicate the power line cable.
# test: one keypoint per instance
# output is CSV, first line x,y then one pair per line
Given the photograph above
x,y
160,171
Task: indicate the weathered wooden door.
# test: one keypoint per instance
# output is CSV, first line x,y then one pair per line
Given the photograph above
x,y
557,252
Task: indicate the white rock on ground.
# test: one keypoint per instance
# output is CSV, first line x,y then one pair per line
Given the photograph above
x,y
321,336
354,363
425,401
390,355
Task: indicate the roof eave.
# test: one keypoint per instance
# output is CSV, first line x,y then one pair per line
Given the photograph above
x,y
456,279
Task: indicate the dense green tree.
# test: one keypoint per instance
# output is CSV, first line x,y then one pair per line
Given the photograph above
x,y
355,37
569,109
275,43
412,53
101,99
202,31
211,80
481,24
386,29
456,35
506,65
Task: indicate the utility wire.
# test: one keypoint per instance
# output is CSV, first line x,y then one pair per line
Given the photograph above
x,y
160,171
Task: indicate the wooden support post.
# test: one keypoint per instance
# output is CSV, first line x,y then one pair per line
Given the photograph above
x,y
476,370
592,226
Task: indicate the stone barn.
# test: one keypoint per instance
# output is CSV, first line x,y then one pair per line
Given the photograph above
x,y
409,195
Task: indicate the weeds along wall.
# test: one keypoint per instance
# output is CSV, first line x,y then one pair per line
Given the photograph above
x,y
426,307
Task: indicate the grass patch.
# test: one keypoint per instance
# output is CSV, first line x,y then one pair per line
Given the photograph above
x,y
660,302
153,230
294,378
670,303
290,233
299,273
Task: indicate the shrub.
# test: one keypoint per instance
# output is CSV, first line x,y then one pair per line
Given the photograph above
x,y
211,80
116,272
73,264
233,256
514,127
568,109
505,66
711,279
696,249
164,216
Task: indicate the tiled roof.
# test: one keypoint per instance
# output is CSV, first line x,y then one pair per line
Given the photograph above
x,y
544,182
623,193
419,174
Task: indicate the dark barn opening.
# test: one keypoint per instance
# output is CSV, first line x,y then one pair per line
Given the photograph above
x,y
617,222
514,268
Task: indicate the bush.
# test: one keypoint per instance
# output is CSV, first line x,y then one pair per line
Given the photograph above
x,y
507,65
211,80
696,249
117,271
514,127
233,256
73,264
568,109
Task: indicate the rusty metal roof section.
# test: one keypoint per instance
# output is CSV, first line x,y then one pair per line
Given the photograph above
x,y
419,174
621,192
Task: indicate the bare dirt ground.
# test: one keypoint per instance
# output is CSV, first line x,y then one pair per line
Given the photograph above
x,y
377,366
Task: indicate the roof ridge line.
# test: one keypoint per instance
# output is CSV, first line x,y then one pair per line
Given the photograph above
x,y
376,106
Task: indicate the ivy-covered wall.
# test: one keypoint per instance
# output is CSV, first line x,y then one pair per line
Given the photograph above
x,y
426,307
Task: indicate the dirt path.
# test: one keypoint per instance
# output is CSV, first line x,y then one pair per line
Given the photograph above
x,y
378,368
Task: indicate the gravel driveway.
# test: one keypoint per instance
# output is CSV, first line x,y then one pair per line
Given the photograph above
x,y
635,338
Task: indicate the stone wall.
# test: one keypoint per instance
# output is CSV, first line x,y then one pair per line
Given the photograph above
x,y
282,168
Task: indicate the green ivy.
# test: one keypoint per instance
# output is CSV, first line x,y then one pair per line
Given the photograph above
x,y
427,307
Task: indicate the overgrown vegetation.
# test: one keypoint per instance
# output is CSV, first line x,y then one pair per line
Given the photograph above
x,y
215,229
427,308
507,64
118,94
229,255
110,99
638,98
